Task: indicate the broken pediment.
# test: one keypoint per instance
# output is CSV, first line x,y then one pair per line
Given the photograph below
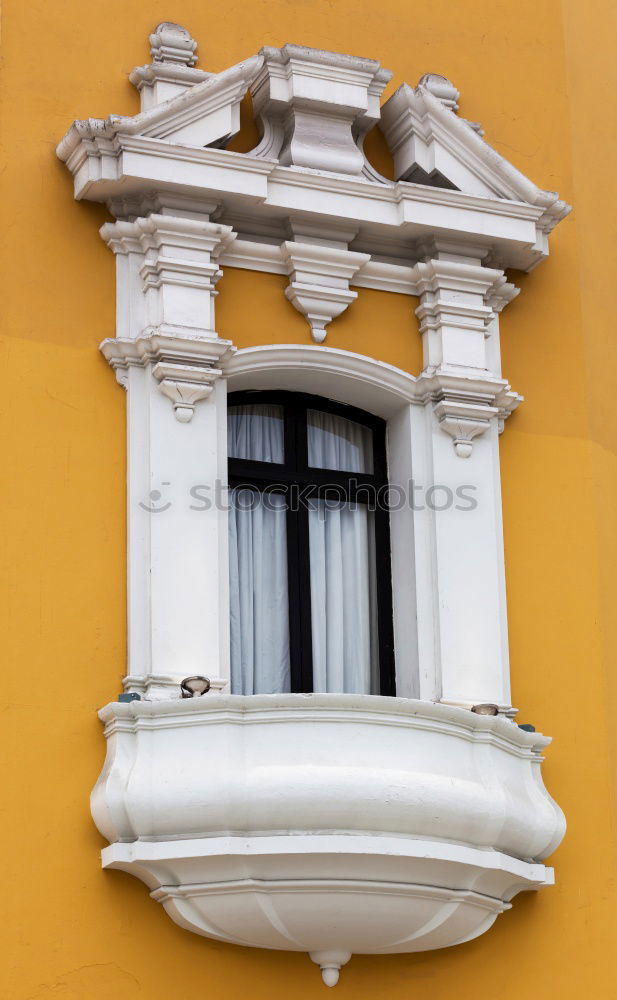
x,y
309,172
179,103
431,145
313,110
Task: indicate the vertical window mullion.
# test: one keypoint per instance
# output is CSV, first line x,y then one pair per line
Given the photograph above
x,y
385,626
304,588
295,600
300,459
299,580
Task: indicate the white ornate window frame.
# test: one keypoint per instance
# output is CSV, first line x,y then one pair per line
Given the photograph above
x,y
445,230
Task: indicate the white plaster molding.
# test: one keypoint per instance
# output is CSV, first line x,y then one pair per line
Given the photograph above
x,y
415,868
184,368
178,611
319,281
299,93
161,81
171,43
255,256
330,963
381,275
172,70
206,113
170,275
454,310
343,375
386,277
127,165
445,91
185,386
428,140
465,403
163,687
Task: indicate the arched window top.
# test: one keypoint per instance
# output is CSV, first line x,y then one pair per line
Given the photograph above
x,y
305,433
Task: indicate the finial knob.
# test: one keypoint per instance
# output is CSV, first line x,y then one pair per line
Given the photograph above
x,y
330,963
441,88
171,43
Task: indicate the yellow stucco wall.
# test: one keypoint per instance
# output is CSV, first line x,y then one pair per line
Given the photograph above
x,y
540,75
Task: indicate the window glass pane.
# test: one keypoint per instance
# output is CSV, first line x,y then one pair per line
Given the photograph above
x,y
256,432
338,443
343,598
259,611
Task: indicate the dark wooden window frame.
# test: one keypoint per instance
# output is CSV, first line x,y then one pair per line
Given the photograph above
x,y
296,474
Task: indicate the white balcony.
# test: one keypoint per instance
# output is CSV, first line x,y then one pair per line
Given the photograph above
x,y
330,824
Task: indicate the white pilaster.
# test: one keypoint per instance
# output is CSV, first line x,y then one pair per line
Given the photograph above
x,y
167,355
459,560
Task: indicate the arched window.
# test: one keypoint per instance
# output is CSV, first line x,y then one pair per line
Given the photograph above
x,y
309,547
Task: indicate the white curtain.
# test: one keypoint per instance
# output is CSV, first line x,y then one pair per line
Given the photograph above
x,y
342,563
342,554
258,560
255,432
337,443
258,593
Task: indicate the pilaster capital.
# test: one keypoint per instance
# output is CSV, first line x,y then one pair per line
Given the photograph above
x,y
185,368
459,299
170,281
465,406
157,231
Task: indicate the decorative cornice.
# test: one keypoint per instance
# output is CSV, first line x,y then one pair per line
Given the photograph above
x,y
123,166
158,231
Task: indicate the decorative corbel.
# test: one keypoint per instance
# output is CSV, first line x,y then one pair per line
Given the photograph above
x,y
185,386
464,408
319,281
463,422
